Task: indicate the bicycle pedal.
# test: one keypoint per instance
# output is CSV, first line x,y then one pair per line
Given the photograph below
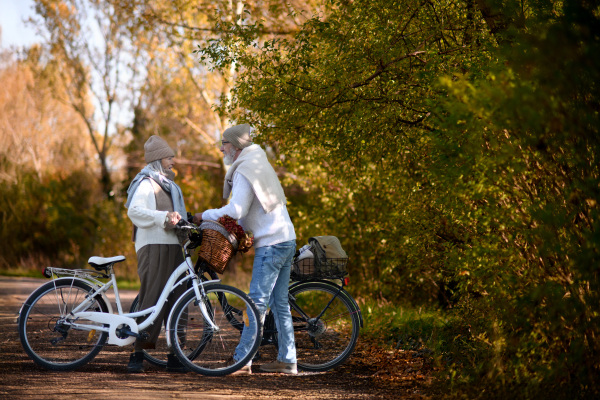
x,y
123,333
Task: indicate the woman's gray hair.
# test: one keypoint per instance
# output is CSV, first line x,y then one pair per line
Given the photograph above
x,y
157,166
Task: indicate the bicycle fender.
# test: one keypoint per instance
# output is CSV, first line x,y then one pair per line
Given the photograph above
x,y
179,300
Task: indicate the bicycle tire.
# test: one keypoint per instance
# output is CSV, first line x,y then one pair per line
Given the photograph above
x,y
44,329
158,355
204,350
324,344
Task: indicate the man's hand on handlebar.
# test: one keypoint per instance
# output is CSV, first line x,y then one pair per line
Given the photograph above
x,y
197,219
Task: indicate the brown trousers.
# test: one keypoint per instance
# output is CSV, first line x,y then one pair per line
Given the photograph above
x,y
156,262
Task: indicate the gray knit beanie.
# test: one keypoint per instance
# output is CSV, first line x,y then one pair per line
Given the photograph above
x,y
238,135
156,148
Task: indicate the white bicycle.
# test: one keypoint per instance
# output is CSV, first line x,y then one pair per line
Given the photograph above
x,y
65,323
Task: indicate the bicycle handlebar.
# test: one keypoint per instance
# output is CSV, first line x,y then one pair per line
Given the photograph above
x,y
195,234
183,224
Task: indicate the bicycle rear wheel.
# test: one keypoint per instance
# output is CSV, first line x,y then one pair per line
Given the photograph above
x,y
210,351
45,325
327,341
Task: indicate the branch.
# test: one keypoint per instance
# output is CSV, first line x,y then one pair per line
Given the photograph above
x,y
154,17
415,122
382,68
202,133
183,161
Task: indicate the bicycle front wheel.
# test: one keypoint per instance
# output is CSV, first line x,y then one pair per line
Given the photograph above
x,y
208,346
46,327
326,325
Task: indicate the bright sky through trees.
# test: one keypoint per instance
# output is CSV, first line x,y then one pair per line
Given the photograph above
x,y
14,31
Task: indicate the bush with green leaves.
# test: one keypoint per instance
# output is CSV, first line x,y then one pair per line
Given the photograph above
x,y
524,164
54,220
346,106
453,147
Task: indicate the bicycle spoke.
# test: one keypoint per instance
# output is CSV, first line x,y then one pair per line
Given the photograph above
x,y
326,325
213,350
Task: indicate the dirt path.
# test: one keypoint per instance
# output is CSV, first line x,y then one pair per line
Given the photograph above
x,y
368,374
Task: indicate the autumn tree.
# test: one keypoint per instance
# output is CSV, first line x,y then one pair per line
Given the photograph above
x,y
38,133
47,191
93,49
126,70
179,97
177,28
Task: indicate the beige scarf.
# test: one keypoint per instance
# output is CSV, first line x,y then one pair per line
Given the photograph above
x,y
253,164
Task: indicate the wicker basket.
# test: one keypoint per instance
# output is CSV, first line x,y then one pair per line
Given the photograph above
x,y
218,245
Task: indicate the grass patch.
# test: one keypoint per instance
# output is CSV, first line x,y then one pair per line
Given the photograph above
x,y
404,327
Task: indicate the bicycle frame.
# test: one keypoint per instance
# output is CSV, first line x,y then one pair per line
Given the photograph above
x,y
309,325
122,328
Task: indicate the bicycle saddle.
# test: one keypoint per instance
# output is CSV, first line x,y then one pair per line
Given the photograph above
x,y
102,263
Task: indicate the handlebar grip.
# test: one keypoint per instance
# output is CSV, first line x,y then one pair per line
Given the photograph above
x,y
183,222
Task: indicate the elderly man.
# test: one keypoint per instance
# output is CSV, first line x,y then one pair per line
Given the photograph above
x,y
259,205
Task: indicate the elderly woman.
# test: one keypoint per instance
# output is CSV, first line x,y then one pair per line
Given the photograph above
x,y
155,205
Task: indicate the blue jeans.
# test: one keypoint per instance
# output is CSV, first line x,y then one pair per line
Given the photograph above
x,y
269,288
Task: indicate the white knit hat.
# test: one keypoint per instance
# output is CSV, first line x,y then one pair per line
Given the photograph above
x,y
238,135
156,148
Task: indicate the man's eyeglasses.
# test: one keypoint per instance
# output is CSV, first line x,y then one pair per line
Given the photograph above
x,y
224,142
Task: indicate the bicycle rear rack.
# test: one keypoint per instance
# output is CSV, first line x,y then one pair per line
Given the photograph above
x,y
51,272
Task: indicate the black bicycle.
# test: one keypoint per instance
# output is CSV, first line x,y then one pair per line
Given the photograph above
x,y
327,320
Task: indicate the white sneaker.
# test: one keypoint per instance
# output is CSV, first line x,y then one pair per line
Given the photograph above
x,y
278,366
